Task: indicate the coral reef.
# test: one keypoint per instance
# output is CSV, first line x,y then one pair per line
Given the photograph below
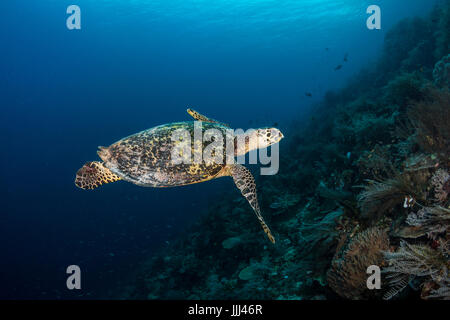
x,y
404,88
430,119
365,182
431,221
441,184
347,275
379,197
441,72
231,242
441,20
419,261
284,202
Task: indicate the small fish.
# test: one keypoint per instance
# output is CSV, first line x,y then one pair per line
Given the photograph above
x,y
308,94
338,67
409,202
327,49
346,57
275,125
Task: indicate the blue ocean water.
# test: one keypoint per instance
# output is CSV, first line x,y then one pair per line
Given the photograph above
x,y
134,65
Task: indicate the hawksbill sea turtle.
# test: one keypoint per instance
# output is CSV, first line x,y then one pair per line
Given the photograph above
x,y
145,159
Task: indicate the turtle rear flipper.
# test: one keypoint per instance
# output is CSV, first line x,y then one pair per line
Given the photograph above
x,y
93,174
246,183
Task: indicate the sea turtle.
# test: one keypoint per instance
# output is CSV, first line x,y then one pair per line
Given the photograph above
x,y
147,158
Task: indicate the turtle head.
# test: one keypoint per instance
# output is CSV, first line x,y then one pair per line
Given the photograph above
x,y
257,139
268,136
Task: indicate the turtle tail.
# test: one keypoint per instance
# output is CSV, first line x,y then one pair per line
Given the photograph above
x,y
93,174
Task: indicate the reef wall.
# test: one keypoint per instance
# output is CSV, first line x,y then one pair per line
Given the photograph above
x,y
366,181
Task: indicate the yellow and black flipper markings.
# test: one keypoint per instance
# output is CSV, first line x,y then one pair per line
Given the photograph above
x,y
199,117
246,183
93,174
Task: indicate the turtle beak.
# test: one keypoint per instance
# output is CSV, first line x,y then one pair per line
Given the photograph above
x,y
277,135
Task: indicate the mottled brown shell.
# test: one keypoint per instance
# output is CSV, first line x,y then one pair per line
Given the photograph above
x,y
145,158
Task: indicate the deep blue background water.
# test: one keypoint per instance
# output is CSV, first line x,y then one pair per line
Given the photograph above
x,y
133,65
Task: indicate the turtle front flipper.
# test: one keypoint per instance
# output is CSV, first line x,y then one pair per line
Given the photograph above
x,y
93,174
199,117
246,183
